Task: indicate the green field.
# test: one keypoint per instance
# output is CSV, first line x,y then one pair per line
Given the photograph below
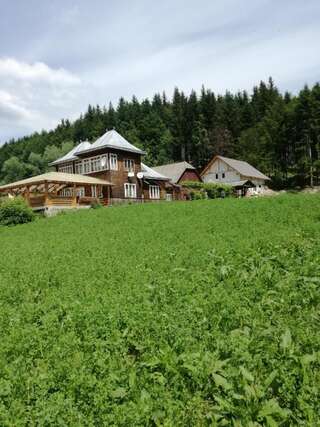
x,y
178,314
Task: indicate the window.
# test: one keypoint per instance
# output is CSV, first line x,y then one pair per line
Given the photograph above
x,y
66,192
79,167
154,192
66,168
86,166
169,197
130,190
93,191
129,165
95,163
223,175
81,192
113,162
217,176
104,162
92,164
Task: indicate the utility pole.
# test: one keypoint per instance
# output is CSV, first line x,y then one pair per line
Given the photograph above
x,y
311,165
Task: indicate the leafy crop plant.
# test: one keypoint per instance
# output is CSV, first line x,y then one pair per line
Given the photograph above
x,y
174,314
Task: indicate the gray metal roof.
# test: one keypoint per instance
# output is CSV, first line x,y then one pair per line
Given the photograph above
x,y
150,173
112,139
72,155
173,171
243,168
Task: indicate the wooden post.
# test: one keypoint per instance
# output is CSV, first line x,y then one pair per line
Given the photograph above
x,y
108,194
74,202
28,195
46,194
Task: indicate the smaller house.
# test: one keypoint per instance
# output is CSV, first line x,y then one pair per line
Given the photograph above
x,y
245,179
55,191
179,172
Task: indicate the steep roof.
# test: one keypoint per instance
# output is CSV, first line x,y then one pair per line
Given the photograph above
x,y
240,166
112,139
56,177
173,171
72,155
150,173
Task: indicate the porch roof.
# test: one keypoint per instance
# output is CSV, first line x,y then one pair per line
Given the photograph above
x,y
244,183
56,178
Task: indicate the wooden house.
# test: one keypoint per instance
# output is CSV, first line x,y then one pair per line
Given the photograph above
x,y
109,170
245,179
112,158
179,172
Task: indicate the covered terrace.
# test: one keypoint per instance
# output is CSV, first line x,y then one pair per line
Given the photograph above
x,y
59,190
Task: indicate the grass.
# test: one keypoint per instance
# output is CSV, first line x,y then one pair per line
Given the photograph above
x,y
176,314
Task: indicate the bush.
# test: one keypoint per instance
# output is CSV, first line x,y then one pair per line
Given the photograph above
x,y
197,195
95,205
15,211
213,190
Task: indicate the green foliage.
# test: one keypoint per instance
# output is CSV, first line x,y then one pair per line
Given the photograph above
x,y
211,190
174,314
278,134
96,205
15,211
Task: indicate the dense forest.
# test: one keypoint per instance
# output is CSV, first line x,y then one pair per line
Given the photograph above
x,y
277,133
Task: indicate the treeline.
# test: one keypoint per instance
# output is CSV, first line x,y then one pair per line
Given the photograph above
x,y
278,133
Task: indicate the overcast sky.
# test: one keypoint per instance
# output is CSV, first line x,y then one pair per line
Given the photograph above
x,y
57,56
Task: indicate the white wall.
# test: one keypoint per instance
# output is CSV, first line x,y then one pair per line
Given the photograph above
x,y
214,174
218,168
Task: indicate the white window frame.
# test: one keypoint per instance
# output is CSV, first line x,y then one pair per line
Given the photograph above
x,y
66,192
94,191
129,165
86,165
130,190
154,192
113,161
66,168
81,192
79,167
92,164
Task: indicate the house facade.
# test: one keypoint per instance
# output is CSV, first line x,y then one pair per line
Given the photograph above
x,y
113,159
245,179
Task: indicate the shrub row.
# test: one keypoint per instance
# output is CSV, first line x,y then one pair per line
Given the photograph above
x,y
206,190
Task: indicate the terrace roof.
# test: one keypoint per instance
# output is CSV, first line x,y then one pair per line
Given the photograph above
x,y
57,178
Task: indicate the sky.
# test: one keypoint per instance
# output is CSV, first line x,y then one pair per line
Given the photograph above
x,y
57,56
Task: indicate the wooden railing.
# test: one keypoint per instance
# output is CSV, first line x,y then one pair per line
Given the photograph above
x,y
61,201
41,201
37,201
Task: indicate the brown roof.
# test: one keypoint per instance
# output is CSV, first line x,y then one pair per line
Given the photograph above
x,y
173,171
56,177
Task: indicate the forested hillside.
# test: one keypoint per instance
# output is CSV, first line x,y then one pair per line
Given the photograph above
x,y
278,133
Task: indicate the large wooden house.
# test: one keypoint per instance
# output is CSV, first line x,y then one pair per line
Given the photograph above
x,y
108,170
112,158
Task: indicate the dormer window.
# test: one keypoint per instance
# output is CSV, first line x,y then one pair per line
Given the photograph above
x,y
113,160
129,165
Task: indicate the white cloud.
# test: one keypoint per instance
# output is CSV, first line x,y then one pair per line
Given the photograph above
x,y
11,68
11,108
34,96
